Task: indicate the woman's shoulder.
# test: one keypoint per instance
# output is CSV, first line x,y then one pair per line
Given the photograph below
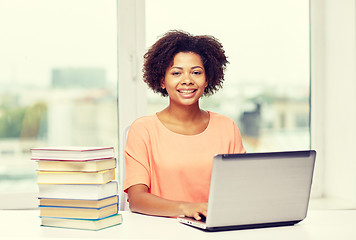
x,y
226,127
140,127
220,118
222,124
144,121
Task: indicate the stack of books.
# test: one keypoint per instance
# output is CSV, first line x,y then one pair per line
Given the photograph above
x,y
77,187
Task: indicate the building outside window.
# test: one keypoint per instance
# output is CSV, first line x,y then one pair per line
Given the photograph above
x,y
58,82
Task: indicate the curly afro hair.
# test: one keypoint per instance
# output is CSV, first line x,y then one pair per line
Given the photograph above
x,y
160,56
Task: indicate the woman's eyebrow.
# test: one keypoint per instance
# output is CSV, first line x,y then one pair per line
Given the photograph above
x,y
181,68
197,67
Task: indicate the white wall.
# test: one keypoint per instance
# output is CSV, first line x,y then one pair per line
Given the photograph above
x,y
334,98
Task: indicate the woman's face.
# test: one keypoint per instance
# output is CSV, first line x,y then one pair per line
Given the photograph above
x,y
185,80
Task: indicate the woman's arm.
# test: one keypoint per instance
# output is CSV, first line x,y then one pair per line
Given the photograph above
x,y
144,202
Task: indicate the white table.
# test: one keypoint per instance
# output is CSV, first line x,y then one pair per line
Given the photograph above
x,y
319,224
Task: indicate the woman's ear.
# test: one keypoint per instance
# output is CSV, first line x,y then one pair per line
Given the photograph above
x,y
206,83
163,86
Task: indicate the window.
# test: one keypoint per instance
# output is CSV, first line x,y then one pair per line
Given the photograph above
x,y
58,81
58,84
267,85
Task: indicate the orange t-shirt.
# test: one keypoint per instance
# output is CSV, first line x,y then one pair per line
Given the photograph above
x,y
174,166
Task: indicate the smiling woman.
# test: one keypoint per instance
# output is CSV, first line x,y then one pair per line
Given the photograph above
x,y
211,53
185,83
169,154
186,77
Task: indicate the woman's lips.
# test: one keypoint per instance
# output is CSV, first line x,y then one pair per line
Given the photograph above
x,y
187,93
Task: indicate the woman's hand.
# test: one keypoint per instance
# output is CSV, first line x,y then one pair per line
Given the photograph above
x,y
144,202
194,210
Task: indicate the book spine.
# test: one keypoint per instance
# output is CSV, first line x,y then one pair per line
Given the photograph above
x,y
90,187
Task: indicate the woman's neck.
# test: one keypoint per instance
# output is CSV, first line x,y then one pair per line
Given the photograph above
x,y
186,120
183,114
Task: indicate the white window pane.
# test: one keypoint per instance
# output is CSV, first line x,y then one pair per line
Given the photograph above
x,y
58,81
267,85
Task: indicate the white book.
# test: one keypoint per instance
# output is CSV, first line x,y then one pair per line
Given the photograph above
x,y
72,153
77,212
84,224
76,166
78,191
100,177
96,203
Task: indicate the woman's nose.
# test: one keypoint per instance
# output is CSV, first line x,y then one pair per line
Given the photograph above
x,y
187,79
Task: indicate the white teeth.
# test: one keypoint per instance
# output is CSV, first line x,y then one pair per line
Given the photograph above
x,y
186,91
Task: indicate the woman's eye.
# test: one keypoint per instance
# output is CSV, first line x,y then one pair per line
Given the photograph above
x,y
196,73
175,73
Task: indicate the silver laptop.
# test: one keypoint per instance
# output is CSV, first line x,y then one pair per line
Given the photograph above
x,y
257,190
